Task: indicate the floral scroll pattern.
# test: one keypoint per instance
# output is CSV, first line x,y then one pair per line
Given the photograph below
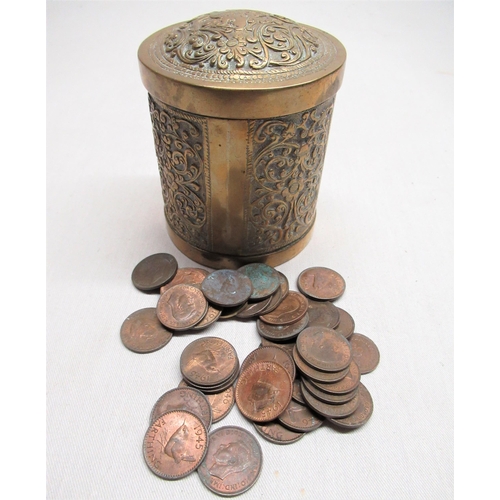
x,y
285,163
181,148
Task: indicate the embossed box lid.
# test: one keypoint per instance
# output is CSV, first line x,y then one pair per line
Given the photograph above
x,y
241,64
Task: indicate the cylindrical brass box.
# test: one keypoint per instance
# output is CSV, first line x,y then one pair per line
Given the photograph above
x,y
241,103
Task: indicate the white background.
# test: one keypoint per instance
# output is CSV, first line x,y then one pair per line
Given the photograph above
x,y
385,222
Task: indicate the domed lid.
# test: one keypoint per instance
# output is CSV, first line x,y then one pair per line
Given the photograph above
x,y
238,50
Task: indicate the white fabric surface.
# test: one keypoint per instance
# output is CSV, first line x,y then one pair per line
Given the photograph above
x,y
385,216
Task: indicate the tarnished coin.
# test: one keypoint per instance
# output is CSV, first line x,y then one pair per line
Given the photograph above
x,y
330,410
364,352
175,444
324,349
345,325
183,398
212,315
297,391
299,417
287,346
181,307
323,313
208,361
275,433
271,353
233,462
265,279
186,276
312,373
346,384
154,271
253,309
263,391
291,309
327,397
362,413
281,333
231,312
143,332
221,402
279,294
321,283
227,288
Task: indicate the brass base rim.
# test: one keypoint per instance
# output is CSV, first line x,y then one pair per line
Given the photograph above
x,y
224,261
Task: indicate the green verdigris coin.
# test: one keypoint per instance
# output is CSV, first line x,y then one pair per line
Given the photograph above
x,y
264,278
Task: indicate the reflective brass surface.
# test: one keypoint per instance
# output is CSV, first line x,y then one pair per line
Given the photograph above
x,y
241,103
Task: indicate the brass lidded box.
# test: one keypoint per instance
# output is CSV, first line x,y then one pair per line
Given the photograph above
x,y
241,103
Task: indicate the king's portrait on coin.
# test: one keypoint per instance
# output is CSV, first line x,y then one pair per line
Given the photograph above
x,y
182,306
229,458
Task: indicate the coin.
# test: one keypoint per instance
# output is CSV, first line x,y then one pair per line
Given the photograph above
x,y
184,398
317,375
281,333
362,413
142,331
208,361
297,391
291,309
253,309
327,397
323,313
330,410
279,294
365,352
227,288
321,283
231,312
221,402
233,461
346,324
299,417
271,353
175,444
346,384
154,271
263,391
213,389
287,346
186,276
276,433
265,279
181,307
212,315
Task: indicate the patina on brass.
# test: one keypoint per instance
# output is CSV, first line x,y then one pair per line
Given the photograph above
x,y
241,103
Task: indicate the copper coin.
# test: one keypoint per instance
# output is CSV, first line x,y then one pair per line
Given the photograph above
x,y
330,410
186,276
275,433
221,402
346,324
299,417
263,391
231,312
297,391
321,283
208,361
154,271
227,288
233,462
346,384
287,346
364,352
265,279
362,413
271,353
184,398
253,309
282,332
213,389
323,314
279,294
324,349
314,374
292,308
181,307
327,397
212,315
175,444
142,331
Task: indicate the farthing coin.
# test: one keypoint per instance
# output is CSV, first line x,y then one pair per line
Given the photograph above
x,y
345,325
321,283
143,332
328,397
346,384
233,461
227,288
362,413
253,309
175,444
299,417
291,309
316,375
186,276
271,353
275,433
265,279
279,294
181,307
280,333
154,271
365,353
323,313
330,410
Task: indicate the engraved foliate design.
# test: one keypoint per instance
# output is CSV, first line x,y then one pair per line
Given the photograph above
x,y
182,152
242,46
285,163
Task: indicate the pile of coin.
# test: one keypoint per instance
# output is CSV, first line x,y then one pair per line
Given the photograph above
x,y
307,370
